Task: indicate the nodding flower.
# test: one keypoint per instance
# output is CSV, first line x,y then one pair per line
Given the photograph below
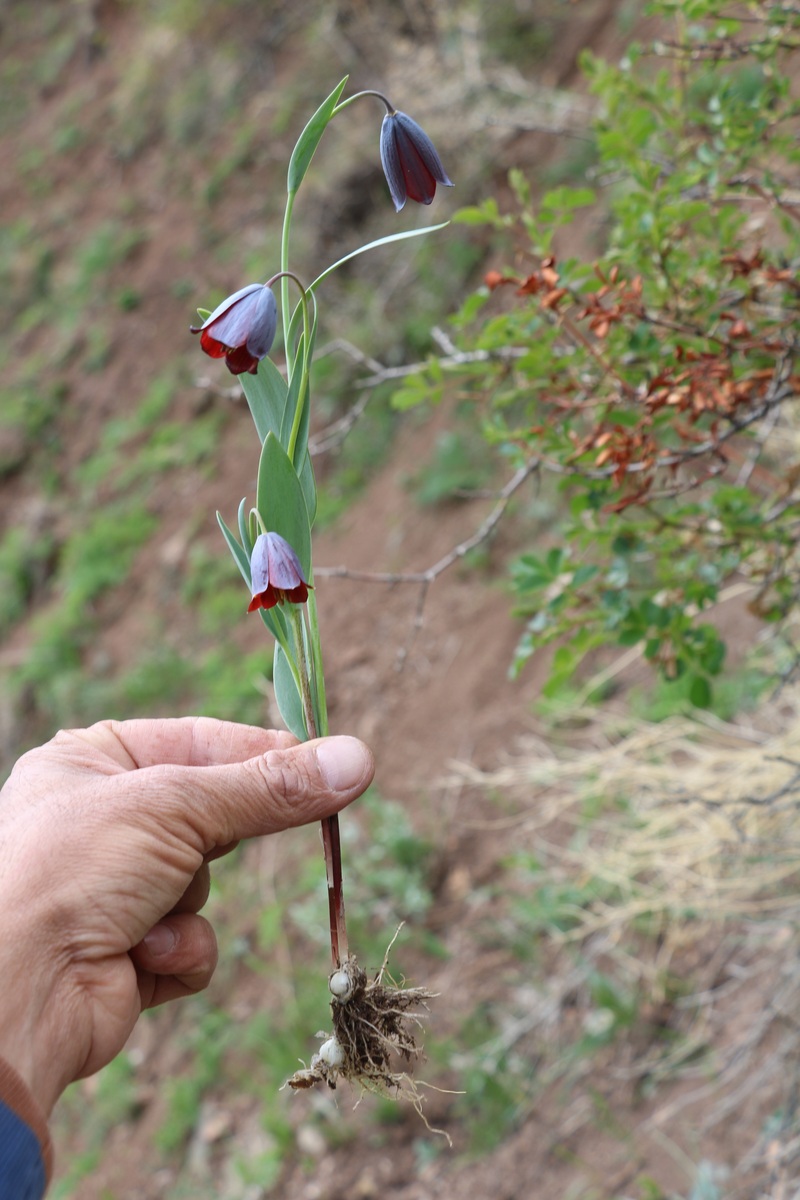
x,y
275,573
241,329
410,162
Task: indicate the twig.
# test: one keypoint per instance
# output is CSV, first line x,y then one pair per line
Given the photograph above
x,y
425,578
759,442
431,573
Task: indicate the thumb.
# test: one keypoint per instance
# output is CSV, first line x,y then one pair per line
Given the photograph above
x,y
275,790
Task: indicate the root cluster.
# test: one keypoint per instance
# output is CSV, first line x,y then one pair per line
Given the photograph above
x,y
374,1024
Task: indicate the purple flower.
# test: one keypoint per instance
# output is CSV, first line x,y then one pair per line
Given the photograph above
x,y
275,573
410,162
241,329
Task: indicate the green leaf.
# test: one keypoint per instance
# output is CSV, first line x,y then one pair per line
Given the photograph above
x,y
310,137
275,622
564,199
309,486
555,559
293,342
520,187
281,502
487,213
418,390
700,692
239,556
266,395
712,655
244,532
287,696
384,241
301,444
584,574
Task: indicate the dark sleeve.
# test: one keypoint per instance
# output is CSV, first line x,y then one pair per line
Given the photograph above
x,y
26,1152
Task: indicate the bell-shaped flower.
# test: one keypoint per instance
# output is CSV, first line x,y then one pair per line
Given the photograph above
x,y
410,162
275,573
241,329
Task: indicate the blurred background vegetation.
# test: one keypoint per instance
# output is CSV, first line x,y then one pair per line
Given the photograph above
x,y
611,322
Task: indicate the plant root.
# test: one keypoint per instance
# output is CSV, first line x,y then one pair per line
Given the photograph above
x,y
374,1026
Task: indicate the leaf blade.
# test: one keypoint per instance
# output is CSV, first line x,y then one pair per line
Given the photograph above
x,y
384,241
281,502
287,696
310,137
266,394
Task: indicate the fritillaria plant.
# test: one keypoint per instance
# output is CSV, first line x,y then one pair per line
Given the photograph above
x,y
372,1019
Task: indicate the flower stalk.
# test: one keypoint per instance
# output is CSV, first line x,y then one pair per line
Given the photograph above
x,y
273,546
331,843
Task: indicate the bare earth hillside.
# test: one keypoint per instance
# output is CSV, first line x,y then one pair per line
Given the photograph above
x,y
584,1043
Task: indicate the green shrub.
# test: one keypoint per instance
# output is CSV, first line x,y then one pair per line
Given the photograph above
x,y
641,388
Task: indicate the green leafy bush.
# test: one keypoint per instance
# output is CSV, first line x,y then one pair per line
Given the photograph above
x,y
652,387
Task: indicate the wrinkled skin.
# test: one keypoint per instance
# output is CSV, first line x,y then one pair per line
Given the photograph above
x,y
106,835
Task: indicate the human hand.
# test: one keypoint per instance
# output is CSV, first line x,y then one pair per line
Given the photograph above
x,y
105,838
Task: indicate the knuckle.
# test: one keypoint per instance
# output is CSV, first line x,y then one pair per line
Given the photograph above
x,y
288,781
281,778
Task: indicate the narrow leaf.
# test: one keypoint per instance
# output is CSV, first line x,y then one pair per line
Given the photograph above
x,y
309,487
384,241
288,415
241,559
266,397
275,622
287,696
295,326
310,137
281,501
244,532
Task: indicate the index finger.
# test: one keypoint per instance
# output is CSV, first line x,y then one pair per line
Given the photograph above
x,y
180,741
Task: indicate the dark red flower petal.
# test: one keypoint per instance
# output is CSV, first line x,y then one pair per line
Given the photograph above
x,y
298,595
240,360
420,184
210,344
266,599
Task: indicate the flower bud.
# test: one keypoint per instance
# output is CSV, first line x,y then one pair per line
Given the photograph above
x,y
410,162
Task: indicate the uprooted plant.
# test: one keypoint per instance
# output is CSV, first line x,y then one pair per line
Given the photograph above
x,y
374,1021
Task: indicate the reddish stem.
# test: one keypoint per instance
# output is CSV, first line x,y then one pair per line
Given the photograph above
x,y
333,869
330,825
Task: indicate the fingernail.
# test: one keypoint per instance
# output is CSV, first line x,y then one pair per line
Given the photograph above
x,y
342,762
160,940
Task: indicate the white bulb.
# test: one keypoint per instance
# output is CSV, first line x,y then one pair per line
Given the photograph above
x,y
331,1053
341,986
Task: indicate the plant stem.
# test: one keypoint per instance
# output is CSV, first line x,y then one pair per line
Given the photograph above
x,y
287,225
331,844
367,92
302,395
292,361
333,869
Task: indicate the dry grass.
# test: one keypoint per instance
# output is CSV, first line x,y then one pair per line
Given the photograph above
x,y
684,839
699,820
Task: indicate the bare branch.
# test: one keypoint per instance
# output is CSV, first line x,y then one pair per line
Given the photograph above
x,y
427,576
424,579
